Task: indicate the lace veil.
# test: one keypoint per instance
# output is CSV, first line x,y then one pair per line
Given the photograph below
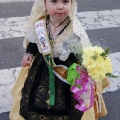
x,y
38,11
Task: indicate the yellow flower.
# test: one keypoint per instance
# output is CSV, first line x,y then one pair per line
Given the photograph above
x,y
96,65
108,65
89,52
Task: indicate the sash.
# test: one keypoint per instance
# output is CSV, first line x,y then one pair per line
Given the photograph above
x,y
45,48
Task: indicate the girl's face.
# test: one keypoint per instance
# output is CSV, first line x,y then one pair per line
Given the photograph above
x,y
58,9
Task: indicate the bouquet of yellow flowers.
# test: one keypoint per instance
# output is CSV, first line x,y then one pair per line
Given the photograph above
x,y
97,63
95,66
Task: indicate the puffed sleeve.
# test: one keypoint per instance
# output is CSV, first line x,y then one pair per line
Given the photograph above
x,y
32,48
76,48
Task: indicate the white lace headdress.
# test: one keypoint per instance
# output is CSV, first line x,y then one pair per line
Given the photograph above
x,y
39,10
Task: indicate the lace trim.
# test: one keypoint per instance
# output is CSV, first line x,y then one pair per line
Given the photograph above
x,y
66,42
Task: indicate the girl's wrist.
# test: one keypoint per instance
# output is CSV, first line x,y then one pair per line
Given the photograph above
x,y
27,54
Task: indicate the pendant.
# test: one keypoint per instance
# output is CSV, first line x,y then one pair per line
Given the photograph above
x,y
52,43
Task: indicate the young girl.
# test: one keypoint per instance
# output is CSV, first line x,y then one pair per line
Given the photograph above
x,y
53,38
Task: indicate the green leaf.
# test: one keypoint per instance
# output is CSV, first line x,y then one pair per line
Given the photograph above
x,y
111,75
107,51
104,54
94,57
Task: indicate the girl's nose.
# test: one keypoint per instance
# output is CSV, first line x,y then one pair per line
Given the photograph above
x,y
60,6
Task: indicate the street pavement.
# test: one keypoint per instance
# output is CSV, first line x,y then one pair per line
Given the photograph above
x,y
112,101
101,19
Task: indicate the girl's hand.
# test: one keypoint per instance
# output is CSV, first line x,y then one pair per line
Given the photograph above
x,y
27,59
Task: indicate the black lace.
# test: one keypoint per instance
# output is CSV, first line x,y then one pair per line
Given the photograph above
x,y
33,104
48,28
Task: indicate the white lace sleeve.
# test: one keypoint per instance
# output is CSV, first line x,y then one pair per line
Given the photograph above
x,y
32,35
72,45
76,48
64,53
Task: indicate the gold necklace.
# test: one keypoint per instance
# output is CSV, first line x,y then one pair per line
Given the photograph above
x,y
57,25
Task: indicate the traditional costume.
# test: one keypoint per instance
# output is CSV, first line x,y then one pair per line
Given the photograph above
x,y
38,93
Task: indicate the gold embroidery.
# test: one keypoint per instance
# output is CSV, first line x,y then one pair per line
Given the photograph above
x,y
96,102
61,71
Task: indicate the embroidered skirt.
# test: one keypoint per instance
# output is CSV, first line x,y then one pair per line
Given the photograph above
x,y
31,94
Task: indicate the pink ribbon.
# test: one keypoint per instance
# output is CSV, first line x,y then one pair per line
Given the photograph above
x,y
84,83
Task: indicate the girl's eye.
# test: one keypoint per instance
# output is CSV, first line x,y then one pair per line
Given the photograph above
x,y
53,0
65,1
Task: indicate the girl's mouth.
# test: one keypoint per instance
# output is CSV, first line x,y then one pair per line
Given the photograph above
x,y
60,13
